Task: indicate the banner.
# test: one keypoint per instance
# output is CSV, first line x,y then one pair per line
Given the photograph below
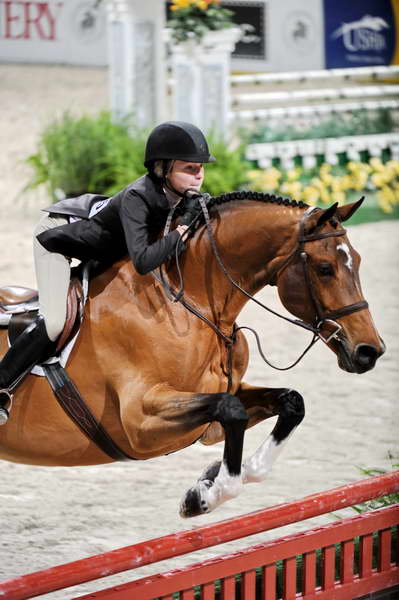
x,y
53,31
361,33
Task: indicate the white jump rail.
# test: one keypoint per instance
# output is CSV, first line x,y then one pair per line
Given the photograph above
x,y
278,112
306,95
356,73
263,153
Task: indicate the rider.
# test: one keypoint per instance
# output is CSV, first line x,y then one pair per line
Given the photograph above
x,y
127,223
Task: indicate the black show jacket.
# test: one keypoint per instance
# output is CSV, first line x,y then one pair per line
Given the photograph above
x,y
128,223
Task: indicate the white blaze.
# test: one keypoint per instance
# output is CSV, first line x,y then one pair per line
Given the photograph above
x,y
349,261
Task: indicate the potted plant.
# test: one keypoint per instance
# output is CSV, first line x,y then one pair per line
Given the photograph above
x,y
193,19
203,37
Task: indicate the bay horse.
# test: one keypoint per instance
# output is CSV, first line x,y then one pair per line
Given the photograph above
x,y
158,378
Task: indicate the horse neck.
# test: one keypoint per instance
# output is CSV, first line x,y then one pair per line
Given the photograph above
x,y
252,238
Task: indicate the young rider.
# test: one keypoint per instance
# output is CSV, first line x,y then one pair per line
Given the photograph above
x,y
127,223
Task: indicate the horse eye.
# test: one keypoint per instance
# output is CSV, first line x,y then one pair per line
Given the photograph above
x,y
325,269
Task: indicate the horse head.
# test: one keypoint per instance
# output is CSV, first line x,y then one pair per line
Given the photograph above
x,y
319,283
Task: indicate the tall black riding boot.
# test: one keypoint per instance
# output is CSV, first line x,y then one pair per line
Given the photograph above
x,y
31,347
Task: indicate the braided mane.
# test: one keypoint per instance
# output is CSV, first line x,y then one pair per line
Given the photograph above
x,y
257,196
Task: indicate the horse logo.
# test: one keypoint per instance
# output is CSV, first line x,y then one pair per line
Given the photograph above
x,y
363,34
88,21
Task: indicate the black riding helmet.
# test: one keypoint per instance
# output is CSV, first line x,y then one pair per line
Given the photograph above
x,y
177,140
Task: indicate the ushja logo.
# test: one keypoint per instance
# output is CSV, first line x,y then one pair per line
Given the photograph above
x,y
363,34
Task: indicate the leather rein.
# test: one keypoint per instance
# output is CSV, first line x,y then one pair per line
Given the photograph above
x,y
323,318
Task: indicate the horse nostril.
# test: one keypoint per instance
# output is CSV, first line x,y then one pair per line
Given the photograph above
x,y
365,356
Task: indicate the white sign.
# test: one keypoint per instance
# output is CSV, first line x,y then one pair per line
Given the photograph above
x,y
53,31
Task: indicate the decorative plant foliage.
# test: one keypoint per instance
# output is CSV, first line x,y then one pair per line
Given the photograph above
x,y
93,154
192,19
328,184
360,122
87,154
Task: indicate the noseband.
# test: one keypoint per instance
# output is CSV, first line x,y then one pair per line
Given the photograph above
x,y
323,318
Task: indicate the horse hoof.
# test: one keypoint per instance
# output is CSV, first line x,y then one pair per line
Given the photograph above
x,y
192,505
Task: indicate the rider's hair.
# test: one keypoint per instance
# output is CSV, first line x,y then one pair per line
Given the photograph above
x,y
161,168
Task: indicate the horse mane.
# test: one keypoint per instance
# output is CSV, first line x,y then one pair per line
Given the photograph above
x,y
97,268
257,197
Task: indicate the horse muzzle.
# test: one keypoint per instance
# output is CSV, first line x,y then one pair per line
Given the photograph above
x,y
362,359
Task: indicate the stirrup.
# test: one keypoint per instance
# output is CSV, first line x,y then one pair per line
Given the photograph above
x,y
4,413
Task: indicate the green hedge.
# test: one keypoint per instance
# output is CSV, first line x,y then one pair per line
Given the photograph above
x,y
359,122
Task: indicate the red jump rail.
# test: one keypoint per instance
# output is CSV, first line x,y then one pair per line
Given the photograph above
x,y
151,551
300,559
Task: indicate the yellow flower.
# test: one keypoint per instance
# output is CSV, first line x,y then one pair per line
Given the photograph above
x,y
325,168
346,182
325,197
202,4
376,164
387,198
383,202
393,164
316,182
177,4
267,180
292,188
358,179
326,177
339,197
310,194
293,174
338,184
377,180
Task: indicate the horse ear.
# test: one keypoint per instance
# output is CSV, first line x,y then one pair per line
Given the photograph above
x,y
327,215
345,212
319,217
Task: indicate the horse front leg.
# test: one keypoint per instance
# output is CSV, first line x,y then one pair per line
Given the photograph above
x,y
222,480
289,406
170,419
260,404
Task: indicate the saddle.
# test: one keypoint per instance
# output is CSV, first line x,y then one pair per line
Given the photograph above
x,y
19,307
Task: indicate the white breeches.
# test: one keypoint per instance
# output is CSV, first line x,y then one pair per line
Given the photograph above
x,y
53,274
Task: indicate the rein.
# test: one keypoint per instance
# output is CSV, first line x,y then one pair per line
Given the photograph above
x,y
323,317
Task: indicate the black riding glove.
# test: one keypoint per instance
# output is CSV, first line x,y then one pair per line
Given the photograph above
x,y
192,207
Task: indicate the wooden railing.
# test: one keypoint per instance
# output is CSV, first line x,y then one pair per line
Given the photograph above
x,y
252,573
152,551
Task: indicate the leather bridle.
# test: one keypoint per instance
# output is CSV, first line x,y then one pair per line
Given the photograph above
x,y
323,318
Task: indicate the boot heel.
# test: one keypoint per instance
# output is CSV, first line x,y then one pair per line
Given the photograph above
x,y
4,415
5,399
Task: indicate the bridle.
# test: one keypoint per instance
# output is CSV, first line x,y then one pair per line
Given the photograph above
x,y
322,319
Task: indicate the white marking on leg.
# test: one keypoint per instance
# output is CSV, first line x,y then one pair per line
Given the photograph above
x,y
345,249
258,466
225,487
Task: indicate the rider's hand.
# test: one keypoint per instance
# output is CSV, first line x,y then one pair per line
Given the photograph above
x,y
191,207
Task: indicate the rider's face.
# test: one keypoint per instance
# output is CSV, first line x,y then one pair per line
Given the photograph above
x,y
186,175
